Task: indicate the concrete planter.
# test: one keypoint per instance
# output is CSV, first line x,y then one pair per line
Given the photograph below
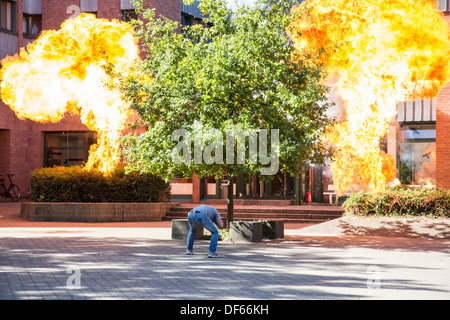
x,y
272,229
180,230
246,231
255,231
94,212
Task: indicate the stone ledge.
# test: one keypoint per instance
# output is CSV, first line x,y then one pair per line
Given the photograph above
x,y
253,202
180,230
272,229
94,212
246,231
256,231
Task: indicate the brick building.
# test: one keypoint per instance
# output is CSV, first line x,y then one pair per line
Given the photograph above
x,y
421,136
443,123
418,139
26,145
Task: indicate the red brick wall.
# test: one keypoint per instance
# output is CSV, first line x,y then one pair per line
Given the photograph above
x,y
22,141
22,144
195,189
108,9
54,12
168,8
19,26
4,151
443,138
443,135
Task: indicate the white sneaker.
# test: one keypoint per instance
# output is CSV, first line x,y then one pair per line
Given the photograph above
x,y
189,252
213,255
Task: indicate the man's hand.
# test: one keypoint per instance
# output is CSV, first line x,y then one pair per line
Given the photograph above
x,y
219,223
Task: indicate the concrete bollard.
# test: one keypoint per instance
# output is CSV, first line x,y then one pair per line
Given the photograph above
x,y
272,229
246,231
180,230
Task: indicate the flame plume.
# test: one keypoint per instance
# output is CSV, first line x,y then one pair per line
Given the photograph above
x,y
382,52
64,71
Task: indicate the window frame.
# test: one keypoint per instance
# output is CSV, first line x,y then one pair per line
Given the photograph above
x,y
13,18
124,15
420,125
85,149
27,32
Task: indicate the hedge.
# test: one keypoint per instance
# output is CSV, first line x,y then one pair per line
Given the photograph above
x,y
400,201
74,184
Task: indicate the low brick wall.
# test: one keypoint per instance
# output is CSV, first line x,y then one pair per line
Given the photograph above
x,y
94,212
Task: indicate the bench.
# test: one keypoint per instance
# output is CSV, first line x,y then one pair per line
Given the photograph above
x,y
272,229
180,230
256,231
333,194
240,231
246,231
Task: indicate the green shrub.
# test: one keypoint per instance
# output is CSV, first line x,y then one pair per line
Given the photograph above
x,y
400,201
74,184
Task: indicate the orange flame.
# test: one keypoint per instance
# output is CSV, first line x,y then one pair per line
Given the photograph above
x,y
383,52
64,71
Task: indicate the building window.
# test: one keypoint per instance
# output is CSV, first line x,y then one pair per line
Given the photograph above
x,y
128,15
32,25
7,16
192,9
417,154
444,5
67,148
187,21
89,6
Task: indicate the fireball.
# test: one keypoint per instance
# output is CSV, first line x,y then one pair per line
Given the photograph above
x,y
64,71
382,52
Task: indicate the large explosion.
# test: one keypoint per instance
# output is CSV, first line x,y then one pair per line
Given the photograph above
x,y
382,52
65,71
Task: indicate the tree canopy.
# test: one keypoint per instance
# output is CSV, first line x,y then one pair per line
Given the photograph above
x,y
232,73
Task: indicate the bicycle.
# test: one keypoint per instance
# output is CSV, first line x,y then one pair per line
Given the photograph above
x,y
12,191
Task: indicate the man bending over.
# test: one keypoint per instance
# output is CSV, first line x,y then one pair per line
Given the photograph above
x,y
205,216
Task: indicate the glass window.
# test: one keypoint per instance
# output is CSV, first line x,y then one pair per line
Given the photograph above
x,y
88,6
32,25
192,9
417,154
187,21
128,15
7,15
67,148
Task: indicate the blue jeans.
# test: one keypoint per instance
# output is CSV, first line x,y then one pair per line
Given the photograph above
x,y
201,219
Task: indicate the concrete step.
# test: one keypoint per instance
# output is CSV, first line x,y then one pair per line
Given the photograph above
x,y
286,220
291,214
252,202
278,210
267,215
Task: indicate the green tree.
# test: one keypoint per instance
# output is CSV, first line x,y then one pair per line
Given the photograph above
x,y
234,75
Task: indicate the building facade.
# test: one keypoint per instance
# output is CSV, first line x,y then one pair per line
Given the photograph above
x,y
443,123
419,139
26,145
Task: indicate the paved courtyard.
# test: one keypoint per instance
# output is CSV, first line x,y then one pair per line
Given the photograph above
x,y
144,263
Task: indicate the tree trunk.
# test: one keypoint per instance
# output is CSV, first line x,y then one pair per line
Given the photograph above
x,y
230,202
